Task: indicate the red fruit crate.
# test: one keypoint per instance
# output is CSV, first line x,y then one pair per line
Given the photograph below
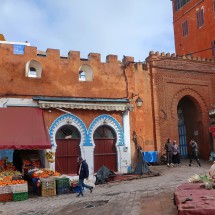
x,y
6,197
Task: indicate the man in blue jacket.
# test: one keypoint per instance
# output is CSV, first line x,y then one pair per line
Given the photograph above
x,y
83,172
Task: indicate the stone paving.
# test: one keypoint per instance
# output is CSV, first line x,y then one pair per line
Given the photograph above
x,y
150,196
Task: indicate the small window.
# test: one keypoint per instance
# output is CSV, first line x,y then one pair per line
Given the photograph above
x,y
200,18
185,28
85,73
33,69
82,76
32,72
213,48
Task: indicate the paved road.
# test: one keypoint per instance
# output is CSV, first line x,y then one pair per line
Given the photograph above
x,y
149,196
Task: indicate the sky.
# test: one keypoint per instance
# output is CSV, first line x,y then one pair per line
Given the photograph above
x,y
119,27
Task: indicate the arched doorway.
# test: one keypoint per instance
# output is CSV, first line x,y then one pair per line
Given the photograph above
x,y
189,124
68,149
105,148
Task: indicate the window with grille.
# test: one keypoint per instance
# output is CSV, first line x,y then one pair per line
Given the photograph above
x,y
213,48
200,18
185,28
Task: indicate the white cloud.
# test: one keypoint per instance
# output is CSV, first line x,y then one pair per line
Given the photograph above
x,y
121,27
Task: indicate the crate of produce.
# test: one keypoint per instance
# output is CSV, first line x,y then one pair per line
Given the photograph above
x,y
62,182
5,189
20,196
47,183
64,190
48,192
19,188
6,197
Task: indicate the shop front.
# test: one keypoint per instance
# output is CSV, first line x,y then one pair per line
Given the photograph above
x,y
24,139
24,136
96,129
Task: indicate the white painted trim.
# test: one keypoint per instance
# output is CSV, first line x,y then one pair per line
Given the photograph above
x,y
15,43
6,102
126,149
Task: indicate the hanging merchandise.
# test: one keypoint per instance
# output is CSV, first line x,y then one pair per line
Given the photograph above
x,y
50,156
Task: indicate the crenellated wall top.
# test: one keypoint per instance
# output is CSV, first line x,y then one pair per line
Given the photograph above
x,y
176,57
33,52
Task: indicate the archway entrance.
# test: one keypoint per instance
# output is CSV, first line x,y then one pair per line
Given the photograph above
x,y
189,124
105,148
68,149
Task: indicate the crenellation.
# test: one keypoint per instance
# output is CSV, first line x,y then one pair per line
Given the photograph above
x,y
127,59
189,57
157,53
94,57
74,55
168,54
163,54
173,55
53,53
111,59
198,58
6,47
151,53
194,58
31,50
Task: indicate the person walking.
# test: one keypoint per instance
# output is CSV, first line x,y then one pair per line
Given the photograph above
x,y
168,148
194,152
83,172
175,153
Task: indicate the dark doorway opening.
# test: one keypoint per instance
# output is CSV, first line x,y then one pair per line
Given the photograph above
x,y
189,124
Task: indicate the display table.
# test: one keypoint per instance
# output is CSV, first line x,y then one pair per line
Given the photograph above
x,y
192,199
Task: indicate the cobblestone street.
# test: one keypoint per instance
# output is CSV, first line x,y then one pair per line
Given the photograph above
x,y
150,196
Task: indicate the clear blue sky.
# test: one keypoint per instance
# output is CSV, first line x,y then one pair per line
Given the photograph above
x,y
119,27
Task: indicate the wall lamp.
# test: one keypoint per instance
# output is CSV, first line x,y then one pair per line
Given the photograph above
x,y
138,101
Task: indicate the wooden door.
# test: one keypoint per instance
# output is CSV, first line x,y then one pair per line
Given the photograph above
x,y
105,154
66,156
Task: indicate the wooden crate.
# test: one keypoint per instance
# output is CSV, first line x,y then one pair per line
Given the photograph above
x,y
5,189
19,188
62,182
6,197
48,192
64,190
47,183
20,196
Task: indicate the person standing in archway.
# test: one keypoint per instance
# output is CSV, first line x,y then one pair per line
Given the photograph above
x,y
168,148
175,153
194,152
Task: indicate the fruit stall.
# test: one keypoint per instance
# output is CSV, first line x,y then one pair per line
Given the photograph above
x,y
45,182
32,179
